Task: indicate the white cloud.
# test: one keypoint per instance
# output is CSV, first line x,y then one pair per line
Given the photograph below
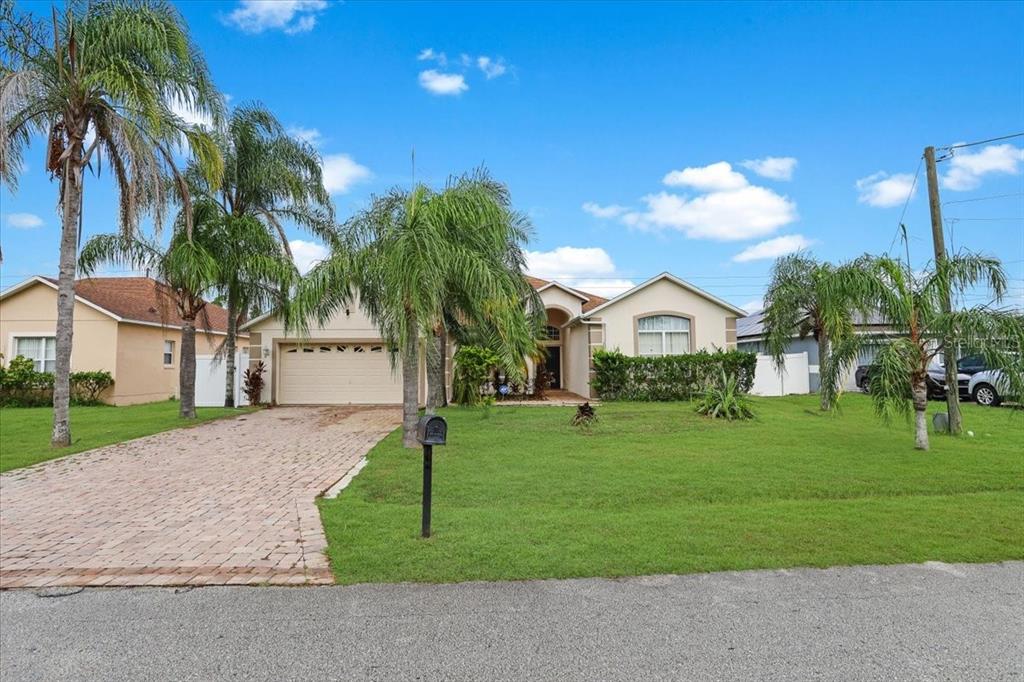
x,y
772,167
586,268
24,221
598,211
187,113
738,214
290,16
754,305
569,261
715,177
443,83
884,191
308,135
341,172
307,254
429,55
966,168
492,68
773,248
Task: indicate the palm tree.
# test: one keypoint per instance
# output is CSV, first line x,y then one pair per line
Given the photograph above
x,y
410,251
101,79
193,264
271,178
805,296
910,303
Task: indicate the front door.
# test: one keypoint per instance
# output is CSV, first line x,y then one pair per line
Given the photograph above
x,y
554,366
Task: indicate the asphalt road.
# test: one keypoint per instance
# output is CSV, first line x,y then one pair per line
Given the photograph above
x,y
931,621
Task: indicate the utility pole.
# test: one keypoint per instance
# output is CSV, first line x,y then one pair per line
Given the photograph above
x,y
948,349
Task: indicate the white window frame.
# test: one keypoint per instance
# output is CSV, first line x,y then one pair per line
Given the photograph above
x,y
170,352
35,335
662,333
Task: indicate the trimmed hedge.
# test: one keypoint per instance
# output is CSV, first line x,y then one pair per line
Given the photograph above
x,y
22,386
672,377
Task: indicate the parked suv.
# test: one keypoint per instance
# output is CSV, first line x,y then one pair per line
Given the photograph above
x,y
988,387
935,382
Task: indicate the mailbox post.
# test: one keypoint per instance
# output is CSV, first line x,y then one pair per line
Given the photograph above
x,y
431,430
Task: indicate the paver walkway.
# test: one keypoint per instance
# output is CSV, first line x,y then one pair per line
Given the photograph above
x,y
228,502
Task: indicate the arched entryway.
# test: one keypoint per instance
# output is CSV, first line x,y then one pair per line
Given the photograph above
x,y
552,342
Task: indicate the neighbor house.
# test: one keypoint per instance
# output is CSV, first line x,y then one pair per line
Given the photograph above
x,y
127,326
345,361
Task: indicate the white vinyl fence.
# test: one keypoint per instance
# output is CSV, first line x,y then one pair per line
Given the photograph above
x,y
211,375
793,378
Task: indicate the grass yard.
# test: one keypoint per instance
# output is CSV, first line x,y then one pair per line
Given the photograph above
x,y
653,488
25,431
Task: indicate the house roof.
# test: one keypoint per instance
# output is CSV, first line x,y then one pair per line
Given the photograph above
x,y
140,300
752,326
672,278
590,301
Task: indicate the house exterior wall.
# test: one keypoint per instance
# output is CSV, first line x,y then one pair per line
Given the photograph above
x,y
553,297
708,320
141,375
266,337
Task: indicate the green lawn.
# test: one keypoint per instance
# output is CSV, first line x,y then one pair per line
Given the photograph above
x,y
656,489
25,431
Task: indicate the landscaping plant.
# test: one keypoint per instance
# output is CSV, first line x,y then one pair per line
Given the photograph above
x,y
671,377
472,370
102,79
910,302
585,416
723,399
252,383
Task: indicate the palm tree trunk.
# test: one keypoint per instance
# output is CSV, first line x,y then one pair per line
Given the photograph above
x,y
920,395
230,342
442,345
952,390
187,370
410,385
823,350
72,206
435,373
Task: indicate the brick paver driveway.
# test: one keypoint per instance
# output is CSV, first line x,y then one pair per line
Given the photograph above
x,y
226,502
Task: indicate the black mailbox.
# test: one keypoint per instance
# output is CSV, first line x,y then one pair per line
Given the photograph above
x,y
432,430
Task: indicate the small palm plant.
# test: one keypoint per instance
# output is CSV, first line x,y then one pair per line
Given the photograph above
x,y
723,399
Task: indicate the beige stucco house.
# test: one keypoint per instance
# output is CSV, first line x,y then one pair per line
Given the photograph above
x,y
124,325
345,361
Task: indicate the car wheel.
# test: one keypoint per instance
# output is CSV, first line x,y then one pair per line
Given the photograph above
x,y
985,394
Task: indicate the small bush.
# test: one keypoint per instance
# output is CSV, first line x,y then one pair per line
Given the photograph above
x,y
585,416
723,399
252,383
86,387
473,367
672,377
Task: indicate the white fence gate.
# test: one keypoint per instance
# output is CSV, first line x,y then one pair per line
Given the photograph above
x,y
210,378
793,378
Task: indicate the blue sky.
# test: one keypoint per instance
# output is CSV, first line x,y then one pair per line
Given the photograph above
x,y
702,139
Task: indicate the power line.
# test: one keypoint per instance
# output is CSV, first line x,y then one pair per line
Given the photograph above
x,y
994,196
899,225
974,144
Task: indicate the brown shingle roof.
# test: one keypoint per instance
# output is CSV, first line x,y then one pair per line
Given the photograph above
x,y
593,299
143,299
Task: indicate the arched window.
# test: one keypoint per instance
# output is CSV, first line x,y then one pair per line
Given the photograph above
x,y
552,333
663,335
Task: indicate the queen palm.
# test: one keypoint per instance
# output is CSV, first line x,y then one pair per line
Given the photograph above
x,y
806,297
271,178
910,303
407,257
100,79
191,265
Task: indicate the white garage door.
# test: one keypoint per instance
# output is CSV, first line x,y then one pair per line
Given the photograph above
x,y
337,373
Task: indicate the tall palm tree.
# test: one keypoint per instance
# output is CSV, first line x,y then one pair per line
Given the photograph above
x,y
911,304
101,79
806,297
405,257
272,178
193,264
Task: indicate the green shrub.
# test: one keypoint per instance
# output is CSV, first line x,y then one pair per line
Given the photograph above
x,y
671,377
722,399
473,368
22,386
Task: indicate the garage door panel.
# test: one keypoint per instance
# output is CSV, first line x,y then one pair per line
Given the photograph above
x,y
330,376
